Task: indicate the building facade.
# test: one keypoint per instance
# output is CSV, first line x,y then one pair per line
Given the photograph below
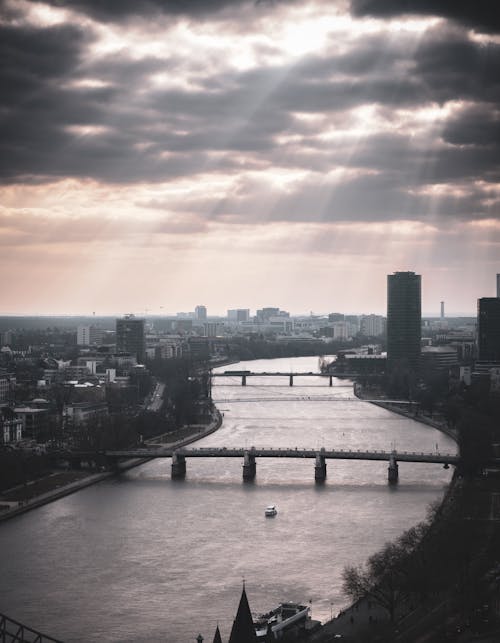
x,y
130,337
488,329
404,321
200,313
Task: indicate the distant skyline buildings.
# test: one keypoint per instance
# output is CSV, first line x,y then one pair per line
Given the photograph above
x,y
333,300
404,320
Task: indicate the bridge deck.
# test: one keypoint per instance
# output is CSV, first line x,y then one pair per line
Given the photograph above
x,y
239,452
269,374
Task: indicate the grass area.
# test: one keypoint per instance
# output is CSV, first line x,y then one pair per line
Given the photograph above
x,y
43,485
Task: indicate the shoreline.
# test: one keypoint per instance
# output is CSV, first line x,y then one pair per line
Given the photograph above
x,y
331,627
65,489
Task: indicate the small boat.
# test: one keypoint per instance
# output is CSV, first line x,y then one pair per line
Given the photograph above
x,y
271,510
281,619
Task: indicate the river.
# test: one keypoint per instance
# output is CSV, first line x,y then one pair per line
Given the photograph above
x,y
141,557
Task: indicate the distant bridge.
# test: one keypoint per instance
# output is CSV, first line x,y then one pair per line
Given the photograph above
x,y
249,456
245,374
309,398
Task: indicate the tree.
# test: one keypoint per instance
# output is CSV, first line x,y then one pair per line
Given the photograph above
x,y
390,575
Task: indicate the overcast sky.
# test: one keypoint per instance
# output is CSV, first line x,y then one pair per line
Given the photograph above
x,y
161,154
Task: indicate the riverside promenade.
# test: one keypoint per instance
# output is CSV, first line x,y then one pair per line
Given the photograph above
x,y
58,484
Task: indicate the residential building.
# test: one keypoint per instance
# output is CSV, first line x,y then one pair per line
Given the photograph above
x,y
212,329
404,319
35,422
88,335
439,358
11,427
80,413
130,337
372,325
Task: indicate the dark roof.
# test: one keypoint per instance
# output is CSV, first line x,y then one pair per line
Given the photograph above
x,y
243,630
217,638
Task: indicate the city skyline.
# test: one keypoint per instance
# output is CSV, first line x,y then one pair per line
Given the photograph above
x,y
243,154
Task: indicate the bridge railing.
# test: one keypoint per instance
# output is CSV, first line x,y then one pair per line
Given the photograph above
x,y
12,631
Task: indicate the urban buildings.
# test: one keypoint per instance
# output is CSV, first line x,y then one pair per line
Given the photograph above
x,y
372,325
130,337
488,329
200,313
403,321
88,335
238,315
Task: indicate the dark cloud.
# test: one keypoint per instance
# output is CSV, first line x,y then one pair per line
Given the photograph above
x,y
475,14
113,11
125,129
452,67
476,125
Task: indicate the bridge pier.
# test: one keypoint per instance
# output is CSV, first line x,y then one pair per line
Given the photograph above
x,y
178,466
291,380
249,466
243,380
392,470
320,467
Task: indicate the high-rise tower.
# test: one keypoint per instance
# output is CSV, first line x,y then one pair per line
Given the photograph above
x,y
404,320
130,336
488,329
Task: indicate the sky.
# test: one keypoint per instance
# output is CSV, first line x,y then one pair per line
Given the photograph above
x,y
160,154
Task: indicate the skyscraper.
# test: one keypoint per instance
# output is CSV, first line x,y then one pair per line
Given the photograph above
x,y
488,329
404,319
130,336
200,313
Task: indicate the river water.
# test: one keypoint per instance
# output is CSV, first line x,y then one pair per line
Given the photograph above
x,y
142,557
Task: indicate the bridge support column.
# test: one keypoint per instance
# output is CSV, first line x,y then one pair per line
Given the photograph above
x,y
249,466
243,380
178,466
392,470
320,467
331,380
291,380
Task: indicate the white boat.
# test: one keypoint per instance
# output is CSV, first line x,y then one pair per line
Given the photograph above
x,y
281,619
271,510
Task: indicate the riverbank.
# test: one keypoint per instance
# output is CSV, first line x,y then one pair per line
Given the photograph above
x,y
23,498
415,414
466,607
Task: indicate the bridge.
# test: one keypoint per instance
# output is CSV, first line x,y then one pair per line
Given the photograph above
x,y
245,374
249,456
12,631
310,398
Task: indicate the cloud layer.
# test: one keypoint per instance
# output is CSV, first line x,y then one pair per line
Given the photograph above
x,y
170,120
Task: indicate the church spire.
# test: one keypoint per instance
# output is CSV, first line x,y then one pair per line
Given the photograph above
x,y
243,630
217,638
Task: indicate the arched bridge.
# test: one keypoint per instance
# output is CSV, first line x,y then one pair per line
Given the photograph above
x,y
250,455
